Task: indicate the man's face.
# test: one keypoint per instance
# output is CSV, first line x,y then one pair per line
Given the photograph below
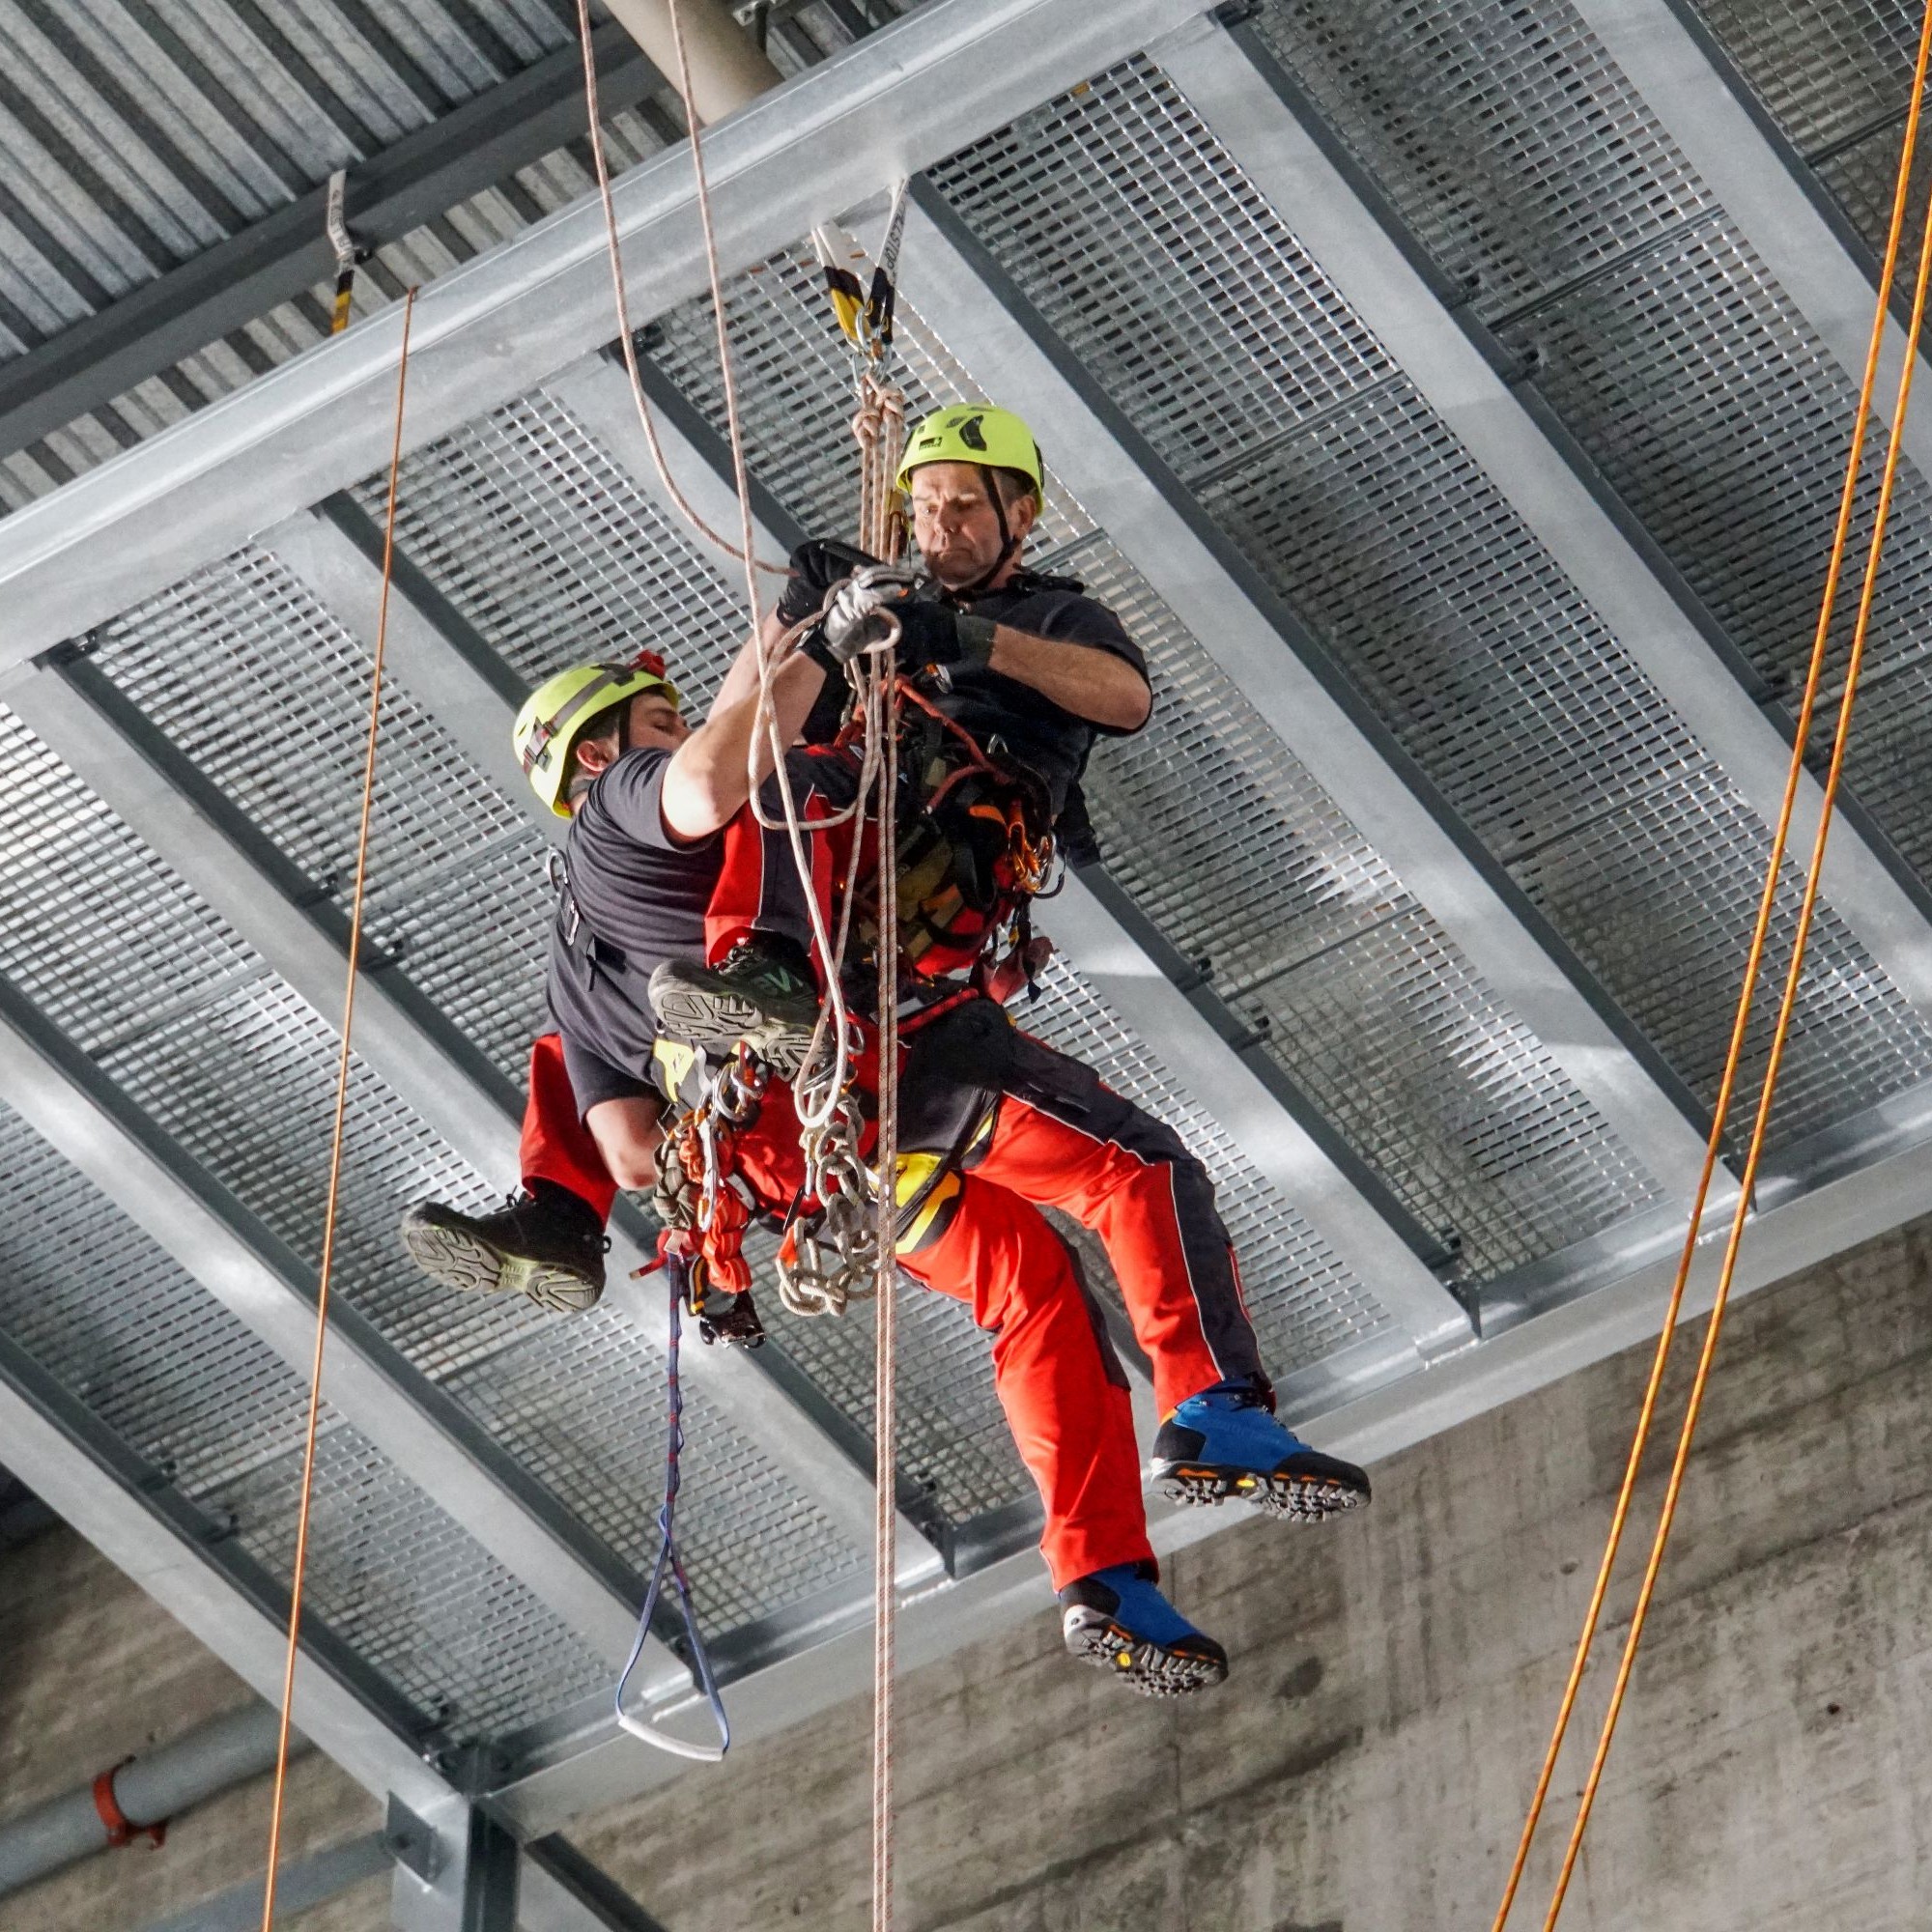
x,y
953,521
656,721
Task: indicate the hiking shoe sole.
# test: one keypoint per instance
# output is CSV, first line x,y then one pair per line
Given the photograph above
x,y
466,1262
1296,1495
1145,1667
718,1022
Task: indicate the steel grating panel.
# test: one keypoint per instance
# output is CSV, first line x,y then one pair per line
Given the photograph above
x,y
1544,736
1680,365
414,1595
1864,178
1824,73
1207,785
953,1438
1851,1040
1391,1031
180,1379
1374,521
1189,780
1723,423
456,887
96,930
579,1401
244,1077
555,554
1305,1302
1511,143
122,1326
1186,281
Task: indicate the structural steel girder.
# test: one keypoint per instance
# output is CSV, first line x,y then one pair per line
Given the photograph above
x,y
1247,102
1090,922
57,1090
403,1039
1305,698
896,100
420,176
180,1558
1723,138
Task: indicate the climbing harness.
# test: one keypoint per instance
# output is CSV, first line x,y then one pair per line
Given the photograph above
x,y
676,1264
326,1268
1787,1006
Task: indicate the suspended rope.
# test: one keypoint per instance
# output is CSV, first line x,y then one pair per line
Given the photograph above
x,y
1760,935
324,1274
826,1105
742,551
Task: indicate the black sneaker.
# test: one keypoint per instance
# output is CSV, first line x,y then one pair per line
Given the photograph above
x,y
547,1246
759,995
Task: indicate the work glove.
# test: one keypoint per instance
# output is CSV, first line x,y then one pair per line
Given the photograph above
x,y
816,567
930,632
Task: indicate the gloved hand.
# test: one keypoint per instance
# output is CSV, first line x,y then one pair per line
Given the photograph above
x,y
853,623
816,567
930,632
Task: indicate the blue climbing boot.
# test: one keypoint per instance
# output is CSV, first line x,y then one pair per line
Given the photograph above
x,y
1119,1620
1225,1442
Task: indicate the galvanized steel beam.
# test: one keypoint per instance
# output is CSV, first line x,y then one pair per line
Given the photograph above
x,y
1723,138
60,1092
423,175
899,100
1255,113
1303,696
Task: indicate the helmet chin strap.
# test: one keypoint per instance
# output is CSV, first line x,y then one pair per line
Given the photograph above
x,y
1008,543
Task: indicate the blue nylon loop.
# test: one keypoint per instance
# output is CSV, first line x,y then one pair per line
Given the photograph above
x,y
668,1559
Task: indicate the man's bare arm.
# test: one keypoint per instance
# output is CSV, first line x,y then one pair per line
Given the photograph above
x,y
707,779
742,677
1091,683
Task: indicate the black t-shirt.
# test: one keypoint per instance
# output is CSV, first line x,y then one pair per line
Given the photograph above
x,y
1030,728
640,897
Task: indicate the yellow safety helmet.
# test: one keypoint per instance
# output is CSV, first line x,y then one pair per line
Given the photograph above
x,y
557,711
978,433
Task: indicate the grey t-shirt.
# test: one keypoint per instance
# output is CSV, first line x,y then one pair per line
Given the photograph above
x,y
640,895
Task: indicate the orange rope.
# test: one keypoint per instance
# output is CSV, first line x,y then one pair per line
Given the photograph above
x,y
1759,937
325,1272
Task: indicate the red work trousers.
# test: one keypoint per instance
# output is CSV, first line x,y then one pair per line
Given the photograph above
x,y
1060,1138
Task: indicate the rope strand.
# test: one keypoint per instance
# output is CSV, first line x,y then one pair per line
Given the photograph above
x,y
1734,1057
1787,1006
645,417
325,1272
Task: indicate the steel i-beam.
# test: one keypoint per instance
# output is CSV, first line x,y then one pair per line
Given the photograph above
x,y
1302,696
1255,113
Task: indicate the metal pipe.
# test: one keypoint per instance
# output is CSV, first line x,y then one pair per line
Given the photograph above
x,y
150,1790
728,69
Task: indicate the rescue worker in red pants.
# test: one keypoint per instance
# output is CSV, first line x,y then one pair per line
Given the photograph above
x,y
649,801
1023,662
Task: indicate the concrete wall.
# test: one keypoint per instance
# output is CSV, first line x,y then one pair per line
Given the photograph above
x,y
1364,1768
91,1672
